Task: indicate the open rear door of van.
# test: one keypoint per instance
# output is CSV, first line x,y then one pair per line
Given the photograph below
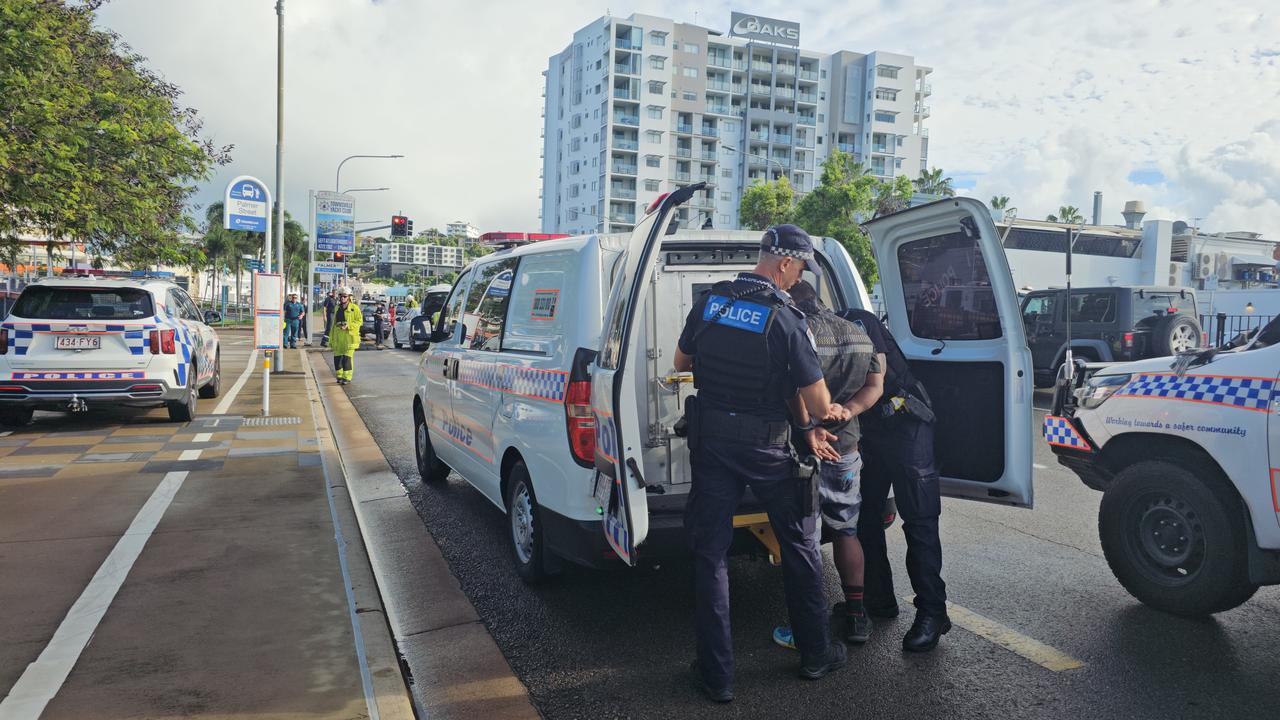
x,y
953,309
615,391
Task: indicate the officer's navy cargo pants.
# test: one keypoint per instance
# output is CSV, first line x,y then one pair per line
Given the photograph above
x,y
722,468
901,455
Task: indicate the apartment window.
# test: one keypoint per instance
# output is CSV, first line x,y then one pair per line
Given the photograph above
x,y
595,138
725,196
822,74
726,172
886,71
653,136
597,64
597,88
655,87
652,161
897,162
658,38
886,94
574,167
691,48
689,72
689,95
900,139
822,95
724,219
652,185
655,112
657,62
822,117
886,117
577,143
576,122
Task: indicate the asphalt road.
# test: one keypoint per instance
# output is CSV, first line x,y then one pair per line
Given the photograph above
x,y
617,643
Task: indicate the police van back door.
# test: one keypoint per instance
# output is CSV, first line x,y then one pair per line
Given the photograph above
x,y
953,308
615,392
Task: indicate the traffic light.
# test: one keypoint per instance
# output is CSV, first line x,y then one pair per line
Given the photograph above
x,y
399,226
339,257
408,227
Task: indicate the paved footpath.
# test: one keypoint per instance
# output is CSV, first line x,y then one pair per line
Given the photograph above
x,y
157,569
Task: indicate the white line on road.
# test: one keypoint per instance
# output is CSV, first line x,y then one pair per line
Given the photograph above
x,y
43,678
1038,466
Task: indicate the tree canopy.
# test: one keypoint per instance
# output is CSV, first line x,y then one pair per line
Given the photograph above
x,y
766,203
1067,214
94,147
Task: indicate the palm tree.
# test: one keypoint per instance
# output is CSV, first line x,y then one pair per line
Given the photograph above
x,y
934,182
999,202
237,243
1067,215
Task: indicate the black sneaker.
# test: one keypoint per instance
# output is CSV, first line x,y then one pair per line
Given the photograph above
x,y
857,628
714,694
833,659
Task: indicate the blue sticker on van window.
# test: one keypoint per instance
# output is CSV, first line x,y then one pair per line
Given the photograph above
x,y
742,315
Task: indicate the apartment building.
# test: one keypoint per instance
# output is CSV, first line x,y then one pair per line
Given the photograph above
x,y
435,257
637,106
461,228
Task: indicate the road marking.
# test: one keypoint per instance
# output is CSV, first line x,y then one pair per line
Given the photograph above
x,y
221,409
1010,639
1038,466
42,679
6,432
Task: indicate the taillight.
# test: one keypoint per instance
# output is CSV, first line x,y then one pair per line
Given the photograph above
x,y
580,422
162,342
1128,340
4,341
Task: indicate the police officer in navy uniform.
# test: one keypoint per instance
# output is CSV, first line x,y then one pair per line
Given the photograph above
x,y
754,363
897,451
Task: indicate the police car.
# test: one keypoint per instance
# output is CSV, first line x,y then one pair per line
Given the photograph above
x,y
1186,452
549,383
77,343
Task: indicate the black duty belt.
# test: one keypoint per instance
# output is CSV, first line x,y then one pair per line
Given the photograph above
x,y
743,428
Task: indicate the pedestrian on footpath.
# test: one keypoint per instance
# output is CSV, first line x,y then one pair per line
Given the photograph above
x,y
330,303
346,335
294,315
853,372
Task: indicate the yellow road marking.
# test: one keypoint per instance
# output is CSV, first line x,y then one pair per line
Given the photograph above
x,y
1010,639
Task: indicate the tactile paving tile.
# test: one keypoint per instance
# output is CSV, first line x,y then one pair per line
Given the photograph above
x,y
267,421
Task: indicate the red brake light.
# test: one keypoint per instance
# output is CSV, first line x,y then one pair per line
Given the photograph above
x,y
580,422
656,203
1128,339
4,341
162,342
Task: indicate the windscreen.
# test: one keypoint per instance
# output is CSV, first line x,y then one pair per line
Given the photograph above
x,y
83,303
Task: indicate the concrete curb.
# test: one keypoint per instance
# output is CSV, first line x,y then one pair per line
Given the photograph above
x,y
455,666
391,697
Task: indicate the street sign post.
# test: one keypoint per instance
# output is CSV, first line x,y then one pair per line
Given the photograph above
x,y
247,206
333,224
268,324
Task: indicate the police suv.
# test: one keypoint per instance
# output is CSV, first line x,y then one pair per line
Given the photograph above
x,y
76,343
1186,452
549,383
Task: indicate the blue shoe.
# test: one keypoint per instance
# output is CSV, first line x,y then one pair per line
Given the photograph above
x,y
782,636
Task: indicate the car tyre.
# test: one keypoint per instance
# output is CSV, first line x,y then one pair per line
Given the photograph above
x,y
16,416
1173,535
184,410
524,527
1175,334
430,467
213,388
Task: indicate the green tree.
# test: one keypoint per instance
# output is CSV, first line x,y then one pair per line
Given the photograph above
x,y
1067,214
999,202
766,203
934,182
893,197
94,147
846,193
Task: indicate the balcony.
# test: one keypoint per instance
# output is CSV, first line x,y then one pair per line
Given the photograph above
x,y
619,144
681,176
707,178
624,169
758,66
622,44
621,193
719,61
882,149
628,218
925,89
845,147
633,120
718,109
784,92
786,69
782,139
805,97
684,152
626,69
626,94
922,110
806,119
709,131
708,155
760,135
757,89
808,75
721,85
684,128
924,132
783,161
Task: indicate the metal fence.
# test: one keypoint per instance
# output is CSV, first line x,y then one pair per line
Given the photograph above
x,y
1222,327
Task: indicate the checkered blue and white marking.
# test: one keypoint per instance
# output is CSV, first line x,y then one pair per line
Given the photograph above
x,y
1246,393
529,382
1059,431
22,334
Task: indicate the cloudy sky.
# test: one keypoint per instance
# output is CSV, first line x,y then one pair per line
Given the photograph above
x,y
1174,102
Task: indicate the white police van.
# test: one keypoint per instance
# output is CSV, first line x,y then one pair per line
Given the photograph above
x,y
549,383
77,343
1186,452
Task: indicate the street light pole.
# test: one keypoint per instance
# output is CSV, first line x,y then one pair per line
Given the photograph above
x,y
337,176
279,220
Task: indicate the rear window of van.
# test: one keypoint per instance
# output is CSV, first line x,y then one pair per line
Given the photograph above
x,y
76,303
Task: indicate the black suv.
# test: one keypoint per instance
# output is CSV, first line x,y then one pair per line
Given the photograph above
x,y
1108,324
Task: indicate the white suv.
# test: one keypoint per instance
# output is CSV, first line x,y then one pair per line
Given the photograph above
x,y
1186,452
71,344
549,385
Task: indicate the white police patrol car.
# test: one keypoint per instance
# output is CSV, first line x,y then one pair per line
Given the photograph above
x,y
549,383
76,343
1186,451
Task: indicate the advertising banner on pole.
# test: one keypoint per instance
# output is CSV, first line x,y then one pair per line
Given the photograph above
x,y
335,222
268,306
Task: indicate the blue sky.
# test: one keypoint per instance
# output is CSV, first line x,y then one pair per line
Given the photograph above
x,y
1172,102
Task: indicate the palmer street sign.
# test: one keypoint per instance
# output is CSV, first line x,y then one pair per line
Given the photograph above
x,y
758,27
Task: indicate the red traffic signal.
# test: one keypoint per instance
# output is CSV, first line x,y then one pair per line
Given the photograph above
x,y
339,257
398,225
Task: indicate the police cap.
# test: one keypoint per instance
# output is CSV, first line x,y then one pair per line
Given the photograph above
x,y
790,241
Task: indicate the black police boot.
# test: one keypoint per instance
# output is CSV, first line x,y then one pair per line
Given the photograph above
x,y
833,659
857,628
925,632
887,612
714,694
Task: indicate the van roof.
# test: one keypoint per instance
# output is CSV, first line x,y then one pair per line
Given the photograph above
x,y
615,241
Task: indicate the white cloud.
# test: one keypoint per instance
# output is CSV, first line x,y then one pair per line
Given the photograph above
x,y
1041,100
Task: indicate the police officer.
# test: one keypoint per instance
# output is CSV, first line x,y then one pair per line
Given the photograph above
x,y
753,359
897,451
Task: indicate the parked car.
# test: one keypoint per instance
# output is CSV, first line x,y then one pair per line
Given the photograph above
x,y
369,310
1185,452
1109,324
74,344
414,327
549,387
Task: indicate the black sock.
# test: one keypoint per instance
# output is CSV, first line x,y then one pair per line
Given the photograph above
x,y
853,600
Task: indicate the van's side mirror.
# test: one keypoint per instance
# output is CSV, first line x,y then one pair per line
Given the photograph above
x,y
440,335
212,317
